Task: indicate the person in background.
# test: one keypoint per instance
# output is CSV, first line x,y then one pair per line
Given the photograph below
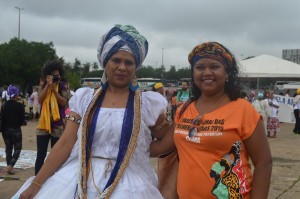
x,y
218,135
13,116
53,97
252,97
29,89
264,108
288,93
173,102
35,105
296,107
4,95
30,105
255,103
273,125
104,150
267,95
159,87
184,94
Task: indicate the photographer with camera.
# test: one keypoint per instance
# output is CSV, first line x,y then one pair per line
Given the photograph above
x,y
53,97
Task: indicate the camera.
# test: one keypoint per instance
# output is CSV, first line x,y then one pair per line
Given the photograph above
x,y
55,78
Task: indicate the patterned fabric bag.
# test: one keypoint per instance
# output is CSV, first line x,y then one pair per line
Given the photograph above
x,y
168,168
167,175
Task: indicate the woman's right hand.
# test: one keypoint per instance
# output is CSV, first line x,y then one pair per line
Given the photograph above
x,y
30,192
50,83
49,80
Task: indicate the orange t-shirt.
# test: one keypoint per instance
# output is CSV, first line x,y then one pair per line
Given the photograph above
x,y
213,163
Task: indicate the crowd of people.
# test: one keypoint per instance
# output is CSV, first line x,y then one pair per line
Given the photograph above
x,y
53,96
102,147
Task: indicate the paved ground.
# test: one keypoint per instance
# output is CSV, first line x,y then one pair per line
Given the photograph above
x,y
285,182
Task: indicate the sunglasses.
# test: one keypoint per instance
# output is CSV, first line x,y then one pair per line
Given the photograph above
x,y
193,129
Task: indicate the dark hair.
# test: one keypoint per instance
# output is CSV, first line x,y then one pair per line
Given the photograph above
x,y
184,81
243,94
266,92
153,89
232,86
174,93
52,65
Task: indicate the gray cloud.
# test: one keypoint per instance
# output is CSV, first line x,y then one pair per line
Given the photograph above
x,y
247,28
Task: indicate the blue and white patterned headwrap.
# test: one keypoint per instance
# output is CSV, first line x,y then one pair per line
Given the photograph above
x,y
12,91
122,38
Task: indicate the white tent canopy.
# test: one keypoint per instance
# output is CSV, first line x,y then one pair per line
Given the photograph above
x,y
268,66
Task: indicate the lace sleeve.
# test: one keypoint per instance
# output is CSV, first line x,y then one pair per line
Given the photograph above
x,y
153,104
80,100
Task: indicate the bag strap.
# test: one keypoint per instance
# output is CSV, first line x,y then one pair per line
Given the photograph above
x,y
184,106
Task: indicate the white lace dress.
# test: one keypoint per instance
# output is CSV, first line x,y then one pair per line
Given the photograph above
x,y
139,179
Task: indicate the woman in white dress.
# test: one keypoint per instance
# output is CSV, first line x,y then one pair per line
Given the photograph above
x,y
264,108
105,148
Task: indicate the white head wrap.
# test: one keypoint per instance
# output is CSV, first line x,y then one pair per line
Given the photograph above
x,y
122,38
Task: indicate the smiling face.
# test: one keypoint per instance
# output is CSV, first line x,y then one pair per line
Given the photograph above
x,y
120,69
209,76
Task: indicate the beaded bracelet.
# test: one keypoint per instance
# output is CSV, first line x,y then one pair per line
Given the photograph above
x,y
73,119
37,184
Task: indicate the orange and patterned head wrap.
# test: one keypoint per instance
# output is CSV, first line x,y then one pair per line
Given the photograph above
x,y
212,50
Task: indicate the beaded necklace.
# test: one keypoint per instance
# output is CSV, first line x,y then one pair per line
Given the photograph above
x,y
128,141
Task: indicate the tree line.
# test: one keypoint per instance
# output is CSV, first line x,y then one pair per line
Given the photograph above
x,y
21,63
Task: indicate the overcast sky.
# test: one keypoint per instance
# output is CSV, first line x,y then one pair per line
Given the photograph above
x,y
172,27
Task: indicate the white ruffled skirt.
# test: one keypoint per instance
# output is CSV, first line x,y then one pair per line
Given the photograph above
x,y
63,184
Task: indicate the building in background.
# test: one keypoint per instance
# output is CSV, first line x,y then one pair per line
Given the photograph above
x,y
292,55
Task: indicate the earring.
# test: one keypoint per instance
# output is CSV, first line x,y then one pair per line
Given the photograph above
x,y
226,78
133,85
104,80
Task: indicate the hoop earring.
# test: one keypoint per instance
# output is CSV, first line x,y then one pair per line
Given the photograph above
x,y
133,85
104,80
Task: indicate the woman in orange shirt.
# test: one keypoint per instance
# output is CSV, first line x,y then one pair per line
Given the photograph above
x,y
217,133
